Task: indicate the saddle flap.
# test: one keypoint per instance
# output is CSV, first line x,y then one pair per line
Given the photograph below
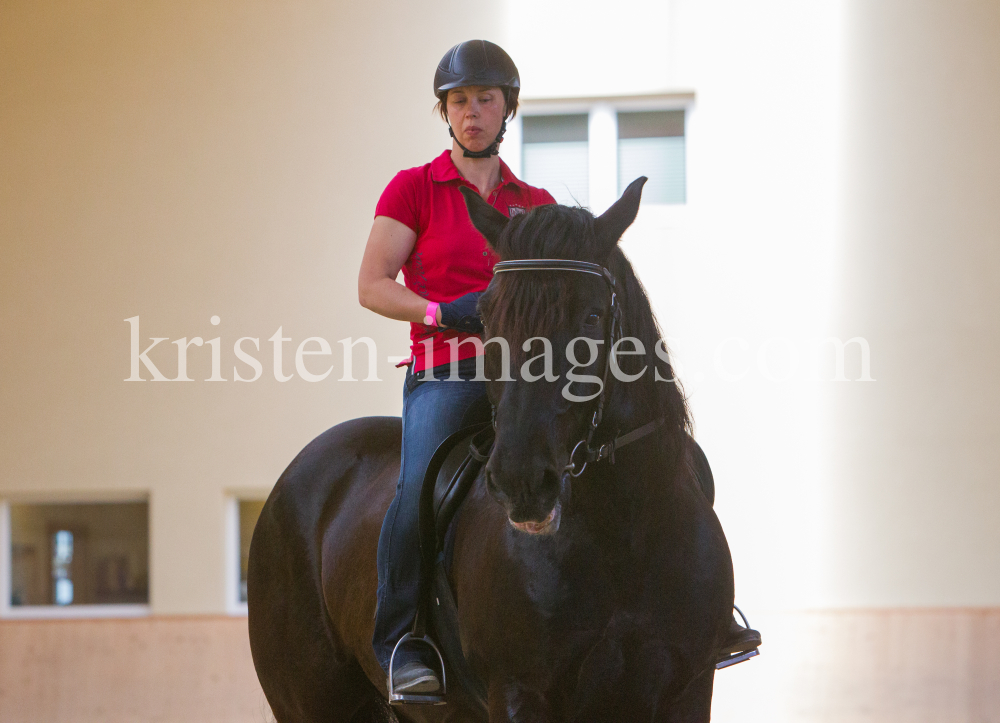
x,y
449,476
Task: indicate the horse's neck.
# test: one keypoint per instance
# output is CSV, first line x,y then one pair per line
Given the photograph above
x,y
652,458
631,494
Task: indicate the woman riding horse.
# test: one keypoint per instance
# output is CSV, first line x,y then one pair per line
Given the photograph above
x,y
620,613
422,227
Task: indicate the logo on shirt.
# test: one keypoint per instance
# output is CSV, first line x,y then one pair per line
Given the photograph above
x,y
515,210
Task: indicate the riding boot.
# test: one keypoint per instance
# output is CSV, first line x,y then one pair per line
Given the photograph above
x,y
415,677
741,643
740,639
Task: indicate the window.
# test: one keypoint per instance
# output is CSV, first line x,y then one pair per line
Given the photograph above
x,y
651,144
555,156
587,151
249,511
76,555
243,512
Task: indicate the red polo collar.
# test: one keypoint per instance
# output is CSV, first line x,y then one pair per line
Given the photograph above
x,y
443,170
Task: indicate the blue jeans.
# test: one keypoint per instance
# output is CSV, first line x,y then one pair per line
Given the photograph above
x,y
433,409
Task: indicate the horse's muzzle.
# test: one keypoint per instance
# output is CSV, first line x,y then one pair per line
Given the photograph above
x,y
548,526
533,509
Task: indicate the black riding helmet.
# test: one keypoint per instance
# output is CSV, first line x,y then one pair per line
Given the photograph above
x,y
478,62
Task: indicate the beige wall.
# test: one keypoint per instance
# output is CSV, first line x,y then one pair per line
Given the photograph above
x,y
177,161
842,181
913,499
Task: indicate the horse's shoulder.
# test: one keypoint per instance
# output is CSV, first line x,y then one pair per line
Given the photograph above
x,y
696,462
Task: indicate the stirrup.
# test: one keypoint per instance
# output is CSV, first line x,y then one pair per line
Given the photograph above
x,y
741,655
416,698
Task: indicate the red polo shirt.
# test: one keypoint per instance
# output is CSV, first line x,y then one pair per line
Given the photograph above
x,y
450,257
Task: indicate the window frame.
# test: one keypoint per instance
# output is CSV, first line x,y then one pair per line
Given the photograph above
x,y
63,612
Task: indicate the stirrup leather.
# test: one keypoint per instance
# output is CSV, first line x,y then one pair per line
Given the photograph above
x,y
437,698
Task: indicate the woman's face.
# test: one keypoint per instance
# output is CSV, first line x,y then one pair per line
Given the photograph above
x,y
476,114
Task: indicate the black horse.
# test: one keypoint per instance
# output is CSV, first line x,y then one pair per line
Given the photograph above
x,y
586,592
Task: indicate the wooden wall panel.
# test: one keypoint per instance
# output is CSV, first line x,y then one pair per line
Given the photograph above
x,y
167,670
865,666
868,666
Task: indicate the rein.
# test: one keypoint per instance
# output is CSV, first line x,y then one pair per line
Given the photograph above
x,y
590,453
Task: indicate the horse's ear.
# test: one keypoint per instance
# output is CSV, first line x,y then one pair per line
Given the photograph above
x,y
487,220
610,225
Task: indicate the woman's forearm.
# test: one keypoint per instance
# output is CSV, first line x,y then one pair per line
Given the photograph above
x,y
390,298
389,244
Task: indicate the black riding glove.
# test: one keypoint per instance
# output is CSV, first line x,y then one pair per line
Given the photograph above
x,y
461,314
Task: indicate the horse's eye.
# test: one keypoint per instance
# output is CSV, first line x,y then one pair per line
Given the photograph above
x,y
593,320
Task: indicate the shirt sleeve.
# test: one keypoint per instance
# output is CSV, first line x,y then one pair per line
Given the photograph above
x,y
399,201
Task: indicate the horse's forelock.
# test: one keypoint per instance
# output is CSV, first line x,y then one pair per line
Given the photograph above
x,y
550,232
522,305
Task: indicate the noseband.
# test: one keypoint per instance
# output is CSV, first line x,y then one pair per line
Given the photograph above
x,y
588,452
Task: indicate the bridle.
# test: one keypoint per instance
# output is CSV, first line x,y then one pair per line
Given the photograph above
x,y
589,452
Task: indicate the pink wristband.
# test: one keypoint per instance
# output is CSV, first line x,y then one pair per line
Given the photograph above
x,y
430,316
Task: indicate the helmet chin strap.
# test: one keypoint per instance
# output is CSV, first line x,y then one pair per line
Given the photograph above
x,y
492,150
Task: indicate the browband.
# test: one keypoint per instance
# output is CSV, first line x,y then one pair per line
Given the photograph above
x,y
585,267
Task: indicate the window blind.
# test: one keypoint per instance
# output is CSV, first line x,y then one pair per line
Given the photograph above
x,y
652,144
555,156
